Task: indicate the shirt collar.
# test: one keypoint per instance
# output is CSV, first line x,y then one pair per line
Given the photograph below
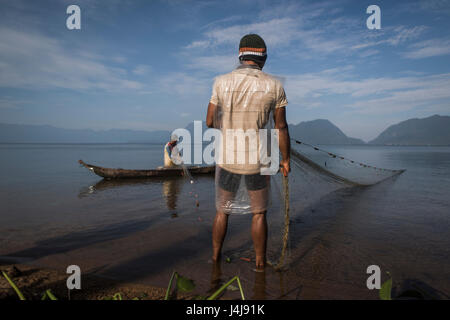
x,y
248,66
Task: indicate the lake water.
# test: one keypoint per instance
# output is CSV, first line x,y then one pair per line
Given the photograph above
x,y
55,213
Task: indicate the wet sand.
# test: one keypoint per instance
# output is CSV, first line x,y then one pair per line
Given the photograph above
x,y
33,281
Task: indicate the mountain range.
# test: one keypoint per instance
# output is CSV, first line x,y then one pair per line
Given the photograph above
x,y
434,130
320,131
18,133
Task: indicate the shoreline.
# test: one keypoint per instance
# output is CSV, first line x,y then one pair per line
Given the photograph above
x,y
34,280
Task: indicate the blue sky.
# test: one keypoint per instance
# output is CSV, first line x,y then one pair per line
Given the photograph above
x,y
149,65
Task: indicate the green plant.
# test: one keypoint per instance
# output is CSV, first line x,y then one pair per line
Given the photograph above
x,y
181,283
187,285
226,285
385,290
48,294
117,296
13,285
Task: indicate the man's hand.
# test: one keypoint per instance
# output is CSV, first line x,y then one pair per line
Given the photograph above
x,y
210,115
285,166
284,139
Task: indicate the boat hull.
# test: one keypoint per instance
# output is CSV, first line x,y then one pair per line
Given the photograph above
x,y
111,173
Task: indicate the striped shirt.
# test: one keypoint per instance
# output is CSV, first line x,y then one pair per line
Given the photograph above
x,y
245,99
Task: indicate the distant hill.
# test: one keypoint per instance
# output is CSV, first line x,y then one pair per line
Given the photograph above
x,y
316,132
16,133
434,130
320,131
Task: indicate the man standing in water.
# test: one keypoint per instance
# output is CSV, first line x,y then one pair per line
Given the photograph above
x,y
245,99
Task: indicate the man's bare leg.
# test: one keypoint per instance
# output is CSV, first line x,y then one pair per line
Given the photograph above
x,y
220,223
259,202
259,236
218,234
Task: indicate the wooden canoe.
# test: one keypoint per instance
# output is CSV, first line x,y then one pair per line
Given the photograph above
x,y
110,173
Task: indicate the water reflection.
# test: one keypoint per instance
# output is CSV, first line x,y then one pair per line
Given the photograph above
x,y
171,187
216,273
259,286
104,184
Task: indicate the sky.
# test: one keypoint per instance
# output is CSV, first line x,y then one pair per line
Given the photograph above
x,y
150,65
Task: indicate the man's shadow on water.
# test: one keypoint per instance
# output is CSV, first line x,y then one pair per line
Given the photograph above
x,y
81,239
170,189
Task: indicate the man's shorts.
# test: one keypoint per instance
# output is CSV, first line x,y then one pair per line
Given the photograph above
x,y
229,181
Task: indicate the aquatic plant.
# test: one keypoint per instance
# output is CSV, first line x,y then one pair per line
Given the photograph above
x,y
385,290
187,285
181,283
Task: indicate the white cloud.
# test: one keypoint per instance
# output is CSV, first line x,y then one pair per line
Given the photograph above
x,y
279,31
119,59
11,103
372,95
219,63
305,31
429,91
184,84
198,44
141,70
32,60
428,48
403,34
393,36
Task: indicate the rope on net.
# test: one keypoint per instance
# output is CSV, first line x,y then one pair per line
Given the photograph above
x,y
298,159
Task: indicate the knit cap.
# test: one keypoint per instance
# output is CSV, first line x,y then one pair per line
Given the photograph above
x,y
252,47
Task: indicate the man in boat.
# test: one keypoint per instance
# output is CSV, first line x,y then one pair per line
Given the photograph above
x,y
170,152
244,99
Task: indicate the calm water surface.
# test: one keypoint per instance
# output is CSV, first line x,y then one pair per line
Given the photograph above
x,y
55,213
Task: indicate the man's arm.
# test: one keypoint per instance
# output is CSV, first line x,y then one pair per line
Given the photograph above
x,y
210,115
284,140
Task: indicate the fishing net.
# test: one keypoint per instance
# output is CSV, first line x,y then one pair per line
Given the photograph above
x,y
315,173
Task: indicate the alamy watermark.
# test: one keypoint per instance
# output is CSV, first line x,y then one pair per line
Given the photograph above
x,y
374,20
374,280
74,280
230,147
73,22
